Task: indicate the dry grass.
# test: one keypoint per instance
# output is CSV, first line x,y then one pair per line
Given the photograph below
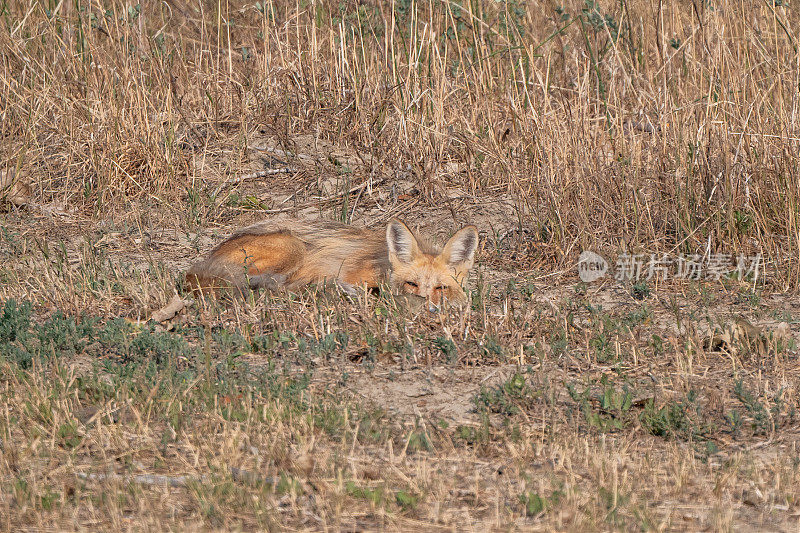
x,y
149,131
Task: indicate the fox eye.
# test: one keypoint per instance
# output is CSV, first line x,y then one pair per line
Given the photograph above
x,y
439,288
412,284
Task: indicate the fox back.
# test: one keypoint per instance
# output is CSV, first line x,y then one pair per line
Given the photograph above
x,y
293,253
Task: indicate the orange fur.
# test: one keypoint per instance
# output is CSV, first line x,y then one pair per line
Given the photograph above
x,y
294,253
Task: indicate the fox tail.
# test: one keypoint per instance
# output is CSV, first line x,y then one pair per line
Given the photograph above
x,y
214,274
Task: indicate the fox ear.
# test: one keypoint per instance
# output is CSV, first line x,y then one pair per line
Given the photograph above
x,y
459,252
402,243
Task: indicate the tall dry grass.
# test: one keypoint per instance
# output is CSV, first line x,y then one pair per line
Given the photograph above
x,y
667,126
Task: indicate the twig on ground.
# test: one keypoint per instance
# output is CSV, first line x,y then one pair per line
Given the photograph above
x,y
242,476
253,176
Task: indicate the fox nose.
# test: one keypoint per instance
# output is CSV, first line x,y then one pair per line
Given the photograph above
x,y
434,303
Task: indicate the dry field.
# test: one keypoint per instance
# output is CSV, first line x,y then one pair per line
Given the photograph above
x,y
135,136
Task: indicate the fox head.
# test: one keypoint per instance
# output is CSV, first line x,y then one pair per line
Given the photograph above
x,y
436,276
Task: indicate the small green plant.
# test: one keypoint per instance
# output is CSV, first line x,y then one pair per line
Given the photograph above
x,y
15,320
640,290
448,348
507,398
330,344
597,20
657,344
749,296
765,415
603,346
288,484
604,407
742,221
61,335
418,440
637,317
492,347
406,499
682,419
734,418
374,496
474,435
558,342
666,421
67,435
49,499
536,504
252,202
15,334
612,500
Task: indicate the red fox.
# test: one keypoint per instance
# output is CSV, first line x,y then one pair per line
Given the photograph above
x,y
294,253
